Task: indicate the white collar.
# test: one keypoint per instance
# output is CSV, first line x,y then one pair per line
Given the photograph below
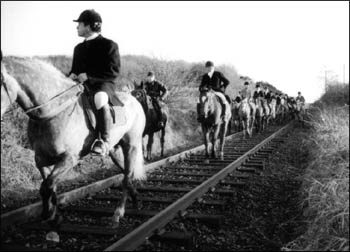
x,y
211,74
92,36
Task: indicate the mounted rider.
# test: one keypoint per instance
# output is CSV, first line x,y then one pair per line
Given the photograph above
x,y
301,99
267,94
157,91
246,95
258,95
96,63
216,81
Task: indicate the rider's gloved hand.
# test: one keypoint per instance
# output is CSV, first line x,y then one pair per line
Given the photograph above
x,y
82,77
73,76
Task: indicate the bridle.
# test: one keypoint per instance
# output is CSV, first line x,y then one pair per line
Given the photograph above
x,y
3,83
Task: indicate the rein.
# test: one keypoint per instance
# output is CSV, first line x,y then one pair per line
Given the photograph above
x,y
65,104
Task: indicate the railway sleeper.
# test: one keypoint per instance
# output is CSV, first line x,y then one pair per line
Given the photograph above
x,y
78,229
175,237
98,211
191,181
188,174
218,203
176,190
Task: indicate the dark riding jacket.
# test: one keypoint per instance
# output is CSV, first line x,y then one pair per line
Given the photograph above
x,y
278,100
154,89
301,98
218,82
99,58
257,94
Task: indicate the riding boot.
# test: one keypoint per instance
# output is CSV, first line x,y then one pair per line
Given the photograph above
x,y
101,146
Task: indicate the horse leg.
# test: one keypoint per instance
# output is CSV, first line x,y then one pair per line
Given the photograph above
x,y
244,127
149,146
222,139
133,168
249,128
162,141
49,185
216,132
206,133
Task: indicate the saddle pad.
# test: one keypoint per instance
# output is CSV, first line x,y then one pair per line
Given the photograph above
x,y
118,113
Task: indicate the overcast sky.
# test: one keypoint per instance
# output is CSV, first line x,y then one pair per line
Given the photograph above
x,y
289,44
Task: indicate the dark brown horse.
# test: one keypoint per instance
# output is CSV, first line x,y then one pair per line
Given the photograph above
x,y
210,110
59,131
152,125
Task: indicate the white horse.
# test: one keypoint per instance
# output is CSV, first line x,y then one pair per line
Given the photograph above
x,y
59,130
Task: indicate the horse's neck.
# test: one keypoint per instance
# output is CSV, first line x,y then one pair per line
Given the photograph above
x,y
29,100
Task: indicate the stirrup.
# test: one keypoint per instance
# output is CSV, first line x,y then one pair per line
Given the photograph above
x,y
101,150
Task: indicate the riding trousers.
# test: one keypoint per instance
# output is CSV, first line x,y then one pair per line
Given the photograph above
x,y
102,93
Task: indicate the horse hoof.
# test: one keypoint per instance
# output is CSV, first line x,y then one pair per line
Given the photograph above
x,y
115,223
206,161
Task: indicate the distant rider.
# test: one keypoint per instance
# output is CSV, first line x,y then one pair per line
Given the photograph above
x,y
216,81
157,91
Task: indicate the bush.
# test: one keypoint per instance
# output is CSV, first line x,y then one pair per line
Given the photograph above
x,y
325,189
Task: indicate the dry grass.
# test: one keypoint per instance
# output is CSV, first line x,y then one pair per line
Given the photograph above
x,y
325,188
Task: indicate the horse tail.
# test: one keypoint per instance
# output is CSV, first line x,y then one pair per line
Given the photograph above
x,y
138,171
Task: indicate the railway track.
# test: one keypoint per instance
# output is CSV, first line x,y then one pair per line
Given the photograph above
x,y
179,189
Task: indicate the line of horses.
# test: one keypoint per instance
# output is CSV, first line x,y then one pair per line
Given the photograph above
x,y
247,115
257,113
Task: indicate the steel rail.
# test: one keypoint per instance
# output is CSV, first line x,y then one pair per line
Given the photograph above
x,y
140,234
32,211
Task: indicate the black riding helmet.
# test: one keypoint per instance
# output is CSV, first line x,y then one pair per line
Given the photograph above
x,y
89,16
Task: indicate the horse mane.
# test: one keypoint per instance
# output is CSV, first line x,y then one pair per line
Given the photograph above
x,y
38,78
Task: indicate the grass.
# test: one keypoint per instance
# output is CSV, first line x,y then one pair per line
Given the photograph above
x,y
325,188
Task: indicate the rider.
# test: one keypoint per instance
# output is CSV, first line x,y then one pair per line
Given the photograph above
x,y
157,91
216,81
258,92
302,101
278,99
267,94
300,98
247,95
96,63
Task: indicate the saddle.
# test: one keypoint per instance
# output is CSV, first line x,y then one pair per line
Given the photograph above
x,y
116,108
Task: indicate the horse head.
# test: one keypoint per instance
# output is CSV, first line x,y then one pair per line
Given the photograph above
x,y
205,104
